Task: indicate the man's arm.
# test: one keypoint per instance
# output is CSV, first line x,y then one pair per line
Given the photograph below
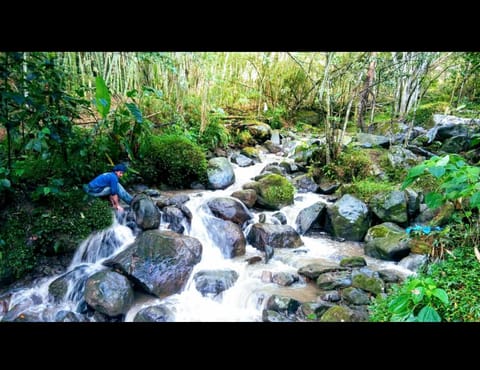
x,y
115,202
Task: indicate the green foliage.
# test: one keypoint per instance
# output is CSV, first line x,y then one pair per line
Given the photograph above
x,y
102,97
455,180
4,181
56,225
457,279
458,275
417,299
33,172
276,117
173,160
36,110
425,112
215,135
351,165
68,220
244,138
365,189
120,131
16,249
278,190
382,116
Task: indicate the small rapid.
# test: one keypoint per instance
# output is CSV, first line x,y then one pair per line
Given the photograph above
x,y
61,297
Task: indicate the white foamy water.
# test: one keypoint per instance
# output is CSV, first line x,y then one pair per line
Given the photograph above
x,y
243,301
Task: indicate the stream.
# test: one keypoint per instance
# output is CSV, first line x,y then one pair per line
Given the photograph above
x,y
242,302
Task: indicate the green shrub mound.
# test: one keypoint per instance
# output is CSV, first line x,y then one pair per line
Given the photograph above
x,y
173,160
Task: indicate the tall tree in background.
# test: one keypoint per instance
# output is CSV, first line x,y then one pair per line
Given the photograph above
x,y
366,92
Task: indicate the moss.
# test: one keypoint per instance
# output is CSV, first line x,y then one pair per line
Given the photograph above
x,y
276,190
424,114
173,160
367,188
369,284
250,152
352,164
55,225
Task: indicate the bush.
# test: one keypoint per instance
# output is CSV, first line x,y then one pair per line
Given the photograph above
x,y
173,160
457,276
365,189
417,299
17,255
55,225
215,135
351,165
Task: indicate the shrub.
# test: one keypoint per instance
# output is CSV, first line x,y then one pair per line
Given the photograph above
x,y
351,165
173,160
56,224
417,299
365,189
458,275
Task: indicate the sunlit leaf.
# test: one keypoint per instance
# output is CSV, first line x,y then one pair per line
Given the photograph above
x,y
433,200
443,161
437,171
133,108
399,305
5,183
417,294
102,97
428,314
441,295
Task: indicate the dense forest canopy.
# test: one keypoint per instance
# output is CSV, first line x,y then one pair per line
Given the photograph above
x,y
43,94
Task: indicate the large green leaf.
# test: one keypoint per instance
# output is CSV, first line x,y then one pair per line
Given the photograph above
x,y
5,183
102,97
433,200
441,295
418,294
133,108
417,170
407,182
437,171
399,305
475,200
428,314
413,174
443,161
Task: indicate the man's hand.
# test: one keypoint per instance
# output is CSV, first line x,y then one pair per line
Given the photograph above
x,y
115,202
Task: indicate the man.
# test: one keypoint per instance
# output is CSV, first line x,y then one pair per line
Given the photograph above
x,y
108,184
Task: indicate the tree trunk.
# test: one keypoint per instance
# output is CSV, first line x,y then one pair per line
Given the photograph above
x,y
325,87
462,85
366,91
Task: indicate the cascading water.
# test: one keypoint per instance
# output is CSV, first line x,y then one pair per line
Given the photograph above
x,y
242,301
37,303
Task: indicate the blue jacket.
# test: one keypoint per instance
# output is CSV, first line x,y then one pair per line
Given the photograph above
x,y
105,179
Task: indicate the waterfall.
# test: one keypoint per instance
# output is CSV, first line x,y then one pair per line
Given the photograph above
x,y
36,302
243,301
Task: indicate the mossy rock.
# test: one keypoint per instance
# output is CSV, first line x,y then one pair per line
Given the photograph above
x,y
274,192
